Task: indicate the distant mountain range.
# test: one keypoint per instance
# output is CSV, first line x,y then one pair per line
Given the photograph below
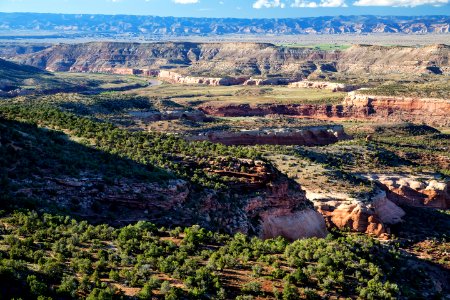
x,y
151,25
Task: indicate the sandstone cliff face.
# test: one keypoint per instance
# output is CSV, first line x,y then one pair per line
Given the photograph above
x,y
434,112
269,81
372,217
174,77
269,208
293,226
428,110
309,136
424,191
286,212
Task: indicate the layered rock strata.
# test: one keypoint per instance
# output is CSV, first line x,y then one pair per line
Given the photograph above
x,y
434,112
371,217
237,59
286,212
309,136
417,191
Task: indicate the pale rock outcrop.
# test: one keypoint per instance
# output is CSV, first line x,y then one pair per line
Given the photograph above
x,y
335,87
174,77
371,217
418,191
301,224
286,212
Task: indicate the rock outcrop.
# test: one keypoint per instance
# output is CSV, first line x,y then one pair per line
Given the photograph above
x,y
308,136
417,191
335,87
284,211
174,77
293,226
371,217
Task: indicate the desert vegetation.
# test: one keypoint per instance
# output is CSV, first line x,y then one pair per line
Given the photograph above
x,y
119,186
59,257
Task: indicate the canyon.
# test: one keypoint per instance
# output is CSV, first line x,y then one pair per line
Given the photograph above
x,y
273,205
221,60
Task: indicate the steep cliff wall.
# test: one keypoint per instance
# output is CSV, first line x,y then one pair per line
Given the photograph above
x,y
371,217
434,112
284,211
309,136
428,110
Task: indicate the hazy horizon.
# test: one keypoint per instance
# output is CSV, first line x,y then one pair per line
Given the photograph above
x,y
232,8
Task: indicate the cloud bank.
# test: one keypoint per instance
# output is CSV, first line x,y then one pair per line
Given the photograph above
x,y
258,4
268,4
322,3
400,3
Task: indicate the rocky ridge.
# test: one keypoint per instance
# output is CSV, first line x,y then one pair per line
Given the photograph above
x,y
371,217
110,25
238,60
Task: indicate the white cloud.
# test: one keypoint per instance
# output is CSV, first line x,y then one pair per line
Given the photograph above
x,y
268,4
397,3
186,1
322,3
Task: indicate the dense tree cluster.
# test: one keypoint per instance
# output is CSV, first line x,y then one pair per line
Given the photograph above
x,y
182,158
58,257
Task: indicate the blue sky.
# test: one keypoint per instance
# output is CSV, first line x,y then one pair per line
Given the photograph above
x,y
232,8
